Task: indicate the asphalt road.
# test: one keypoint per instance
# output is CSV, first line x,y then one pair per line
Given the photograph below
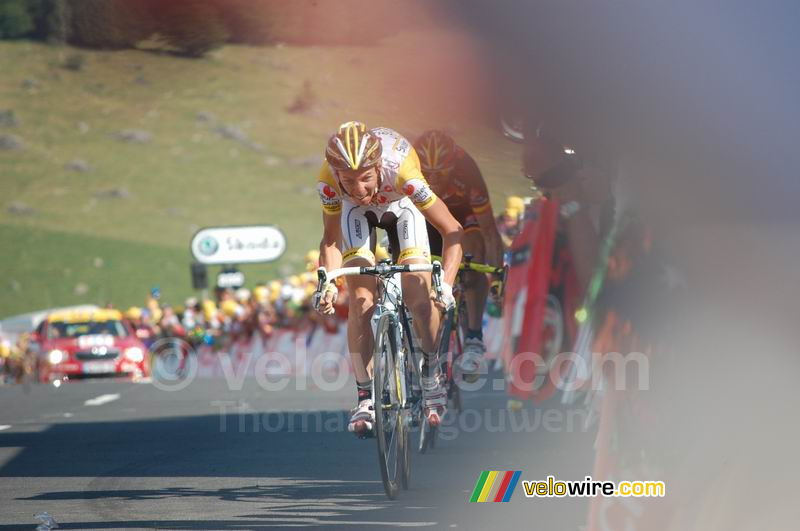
x,y
116,454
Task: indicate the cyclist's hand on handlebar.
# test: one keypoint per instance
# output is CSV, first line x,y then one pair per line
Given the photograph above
x,y
444,301
323,301
496,291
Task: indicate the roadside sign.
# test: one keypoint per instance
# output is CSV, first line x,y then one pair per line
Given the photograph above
x,y
238,245
230,279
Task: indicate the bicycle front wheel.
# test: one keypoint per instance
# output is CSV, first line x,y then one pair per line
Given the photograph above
x,y
390,431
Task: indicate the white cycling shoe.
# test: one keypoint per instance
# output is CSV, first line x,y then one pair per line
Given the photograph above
x,y
362,417
434,400
474,349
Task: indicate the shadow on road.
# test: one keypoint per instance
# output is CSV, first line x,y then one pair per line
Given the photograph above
x,y
249,444
251,470
284,503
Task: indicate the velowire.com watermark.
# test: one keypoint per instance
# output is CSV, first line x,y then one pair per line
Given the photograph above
x,y
176,366
499,486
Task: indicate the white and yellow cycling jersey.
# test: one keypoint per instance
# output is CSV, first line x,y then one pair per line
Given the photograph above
x,y
403,194
400,176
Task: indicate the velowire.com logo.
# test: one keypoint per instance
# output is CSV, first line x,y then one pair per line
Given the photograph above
x,y
495,486
499,487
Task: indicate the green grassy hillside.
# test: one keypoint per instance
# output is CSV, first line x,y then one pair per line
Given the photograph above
x,y
77,193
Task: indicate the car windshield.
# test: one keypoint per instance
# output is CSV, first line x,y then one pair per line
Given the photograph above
x,y
60,329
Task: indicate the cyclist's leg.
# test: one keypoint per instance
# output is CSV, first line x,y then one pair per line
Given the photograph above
x,y
476,284
361,301
410,232
407,231
357,241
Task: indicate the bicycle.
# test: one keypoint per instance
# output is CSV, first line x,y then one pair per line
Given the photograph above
x,y
396,377
453,331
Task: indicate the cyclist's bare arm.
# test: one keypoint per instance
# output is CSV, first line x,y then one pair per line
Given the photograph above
x,y
494,244
330,252
440,217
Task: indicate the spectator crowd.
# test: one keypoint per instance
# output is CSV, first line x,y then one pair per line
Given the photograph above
x,y
232,315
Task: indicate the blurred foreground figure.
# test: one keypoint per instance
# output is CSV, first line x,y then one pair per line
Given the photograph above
x,y
687,108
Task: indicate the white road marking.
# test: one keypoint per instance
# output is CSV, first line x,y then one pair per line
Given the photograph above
x,y
4,427
102,399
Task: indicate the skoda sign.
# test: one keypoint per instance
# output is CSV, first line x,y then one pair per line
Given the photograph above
x,y
238,245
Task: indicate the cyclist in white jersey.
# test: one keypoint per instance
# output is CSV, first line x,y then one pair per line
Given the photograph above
x,y
370,179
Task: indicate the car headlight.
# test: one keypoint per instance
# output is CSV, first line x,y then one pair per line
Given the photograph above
x,y
55,357
134,354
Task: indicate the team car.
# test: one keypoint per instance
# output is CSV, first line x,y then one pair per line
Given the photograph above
x,y
89,343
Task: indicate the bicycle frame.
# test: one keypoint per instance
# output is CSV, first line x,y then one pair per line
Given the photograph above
x,y
394,363
390,303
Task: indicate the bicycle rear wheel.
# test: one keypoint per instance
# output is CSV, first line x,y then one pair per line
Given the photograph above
x,y
390,431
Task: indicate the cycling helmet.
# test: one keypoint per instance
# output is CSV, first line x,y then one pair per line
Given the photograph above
x,y
515,202
261,294
436,150
230,307
353,147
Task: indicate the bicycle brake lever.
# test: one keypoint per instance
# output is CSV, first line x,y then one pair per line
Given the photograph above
x,y
322,277
437,277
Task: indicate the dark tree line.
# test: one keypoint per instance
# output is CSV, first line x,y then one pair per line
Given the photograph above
x,y
194,27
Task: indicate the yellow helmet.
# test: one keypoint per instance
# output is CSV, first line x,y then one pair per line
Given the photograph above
x,y
310,289
5,349
312,255
515,202
312,260
133,313
230,307
261,294
209,309
155,314
353,147
512,212
274,290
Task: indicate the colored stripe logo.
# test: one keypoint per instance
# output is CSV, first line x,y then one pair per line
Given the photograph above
x,y
495,486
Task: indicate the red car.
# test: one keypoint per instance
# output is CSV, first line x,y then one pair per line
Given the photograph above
x,y
84,344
